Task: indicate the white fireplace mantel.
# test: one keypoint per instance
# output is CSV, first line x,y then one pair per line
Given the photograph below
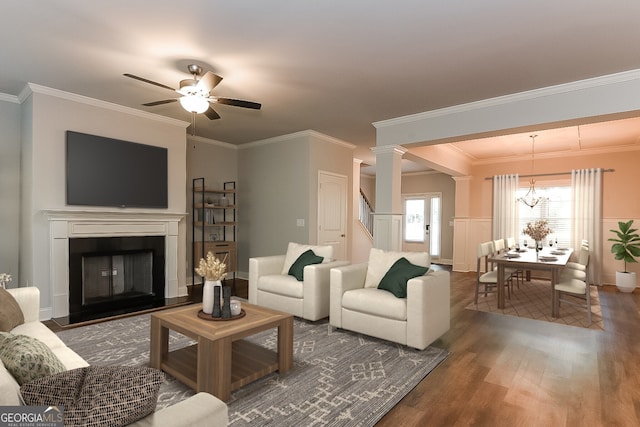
x,y
69,224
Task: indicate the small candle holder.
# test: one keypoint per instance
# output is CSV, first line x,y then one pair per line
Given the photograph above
x,y
236,307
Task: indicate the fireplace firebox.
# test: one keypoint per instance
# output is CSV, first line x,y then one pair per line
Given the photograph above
x,y
114,275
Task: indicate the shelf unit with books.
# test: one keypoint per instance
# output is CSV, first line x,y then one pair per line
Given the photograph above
x,y
214,224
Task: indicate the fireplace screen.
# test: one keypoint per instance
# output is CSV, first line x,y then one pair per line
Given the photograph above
x,y
110,277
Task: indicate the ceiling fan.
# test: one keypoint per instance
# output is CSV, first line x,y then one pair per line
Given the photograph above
x,y
196,93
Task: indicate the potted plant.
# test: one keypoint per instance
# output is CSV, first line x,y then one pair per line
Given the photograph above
x,y
626,247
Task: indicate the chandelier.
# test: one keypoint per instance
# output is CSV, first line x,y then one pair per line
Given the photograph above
x,y
532,198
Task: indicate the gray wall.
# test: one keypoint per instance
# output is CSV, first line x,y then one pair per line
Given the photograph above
x,y
368,187
274,182
216,162
10,190
278,181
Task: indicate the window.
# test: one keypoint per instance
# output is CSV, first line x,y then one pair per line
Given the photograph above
x,y
434,232
414,220
556,210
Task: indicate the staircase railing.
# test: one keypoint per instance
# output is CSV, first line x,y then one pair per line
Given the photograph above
x,y
366,213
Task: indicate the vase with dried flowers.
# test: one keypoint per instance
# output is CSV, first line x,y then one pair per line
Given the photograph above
x,y
538,231
213,271
4,279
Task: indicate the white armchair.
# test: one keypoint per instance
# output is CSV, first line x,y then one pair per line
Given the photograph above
x,y
271,286
416,321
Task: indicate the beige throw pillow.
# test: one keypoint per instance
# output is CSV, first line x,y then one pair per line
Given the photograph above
x,y
294,250
381,261
10,312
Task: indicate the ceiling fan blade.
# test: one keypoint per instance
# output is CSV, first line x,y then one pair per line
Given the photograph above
x,y
211,114
142,79
164,101
208,81
239,103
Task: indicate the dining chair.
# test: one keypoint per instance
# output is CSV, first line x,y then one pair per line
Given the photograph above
x,y
583,258
580,270
489,279
518,273
573,289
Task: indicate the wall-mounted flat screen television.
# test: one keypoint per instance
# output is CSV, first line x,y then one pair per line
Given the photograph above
x,y
110,172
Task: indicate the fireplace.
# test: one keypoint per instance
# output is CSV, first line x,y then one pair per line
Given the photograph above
x,y
68,225
113,275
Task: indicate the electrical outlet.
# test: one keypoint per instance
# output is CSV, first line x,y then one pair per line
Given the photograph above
x,y
300,222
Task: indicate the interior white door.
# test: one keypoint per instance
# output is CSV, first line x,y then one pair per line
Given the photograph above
x,y
332,212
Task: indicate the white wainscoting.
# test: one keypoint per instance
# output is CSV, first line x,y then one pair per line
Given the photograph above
x,y
467,234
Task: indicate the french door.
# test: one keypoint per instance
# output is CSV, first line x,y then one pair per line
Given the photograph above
x,y
422,223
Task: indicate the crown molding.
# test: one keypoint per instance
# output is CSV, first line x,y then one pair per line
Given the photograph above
x,y
385,149
560,154
35,88
420,173
9,98
295,135
195,138
520,96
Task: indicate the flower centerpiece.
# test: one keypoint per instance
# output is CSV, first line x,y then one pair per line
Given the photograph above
x,y
538,231
4,279
212,268
213,271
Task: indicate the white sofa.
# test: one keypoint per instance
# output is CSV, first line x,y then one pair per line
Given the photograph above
x,y
270,286
416,321
201,409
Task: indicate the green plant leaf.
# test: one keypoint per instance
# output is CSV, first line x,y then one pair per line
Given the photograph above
x,y
626,246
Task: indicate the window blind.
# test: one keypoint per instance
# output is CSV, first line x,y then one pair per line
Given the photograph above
x,y
556,209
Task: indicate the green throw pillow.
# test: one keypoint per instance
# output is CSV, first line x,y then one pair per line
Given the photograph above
x,y
307,258
27,358
395,280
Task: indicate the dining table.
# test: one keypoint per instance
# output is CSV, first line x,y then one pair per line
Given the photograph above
x,y
552,259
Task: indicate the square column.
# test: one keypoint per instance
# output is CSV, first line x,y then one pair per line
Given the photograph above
x,y
388,219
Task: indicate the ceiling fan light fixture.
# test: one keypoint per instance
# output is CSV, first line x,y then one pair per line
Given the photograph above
x,y
187,85
194,104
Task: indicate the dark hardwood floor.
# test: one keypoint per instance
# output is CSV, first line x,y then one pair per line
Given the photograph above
x,y
239,288
507,371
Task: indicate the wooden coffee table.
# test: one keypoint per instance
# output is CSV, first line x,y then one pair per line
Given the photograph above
x,y
221,361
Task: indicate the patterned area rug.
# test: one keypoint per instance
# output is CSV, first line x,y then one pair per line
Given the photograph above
x,y
533,301
339,378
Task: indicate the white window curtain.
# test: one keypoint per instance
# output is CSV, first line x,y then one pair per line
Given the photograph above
x,y
586,188
505,206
